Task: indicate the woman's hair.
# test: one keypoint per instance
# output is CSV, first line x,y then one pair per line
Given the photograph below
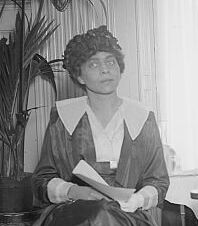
x,y
81,47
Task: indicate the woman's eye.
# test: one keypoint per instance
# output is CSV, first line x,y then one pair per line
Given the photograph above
x,y
111,62
93,64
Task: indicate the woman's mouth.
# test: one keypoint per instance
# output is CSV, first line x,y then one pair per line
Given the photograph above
x,y
107,80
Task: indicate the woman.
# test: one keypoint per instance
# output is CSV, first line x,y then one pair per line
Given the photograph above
x,y
118,137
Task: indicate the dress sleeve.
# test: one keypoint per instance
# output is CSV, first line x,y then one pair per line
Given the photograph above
x,y
46,169
154,170
52,163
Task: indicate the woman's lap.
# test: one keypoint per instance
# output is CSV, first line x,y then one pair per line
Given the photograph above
x,y
93,213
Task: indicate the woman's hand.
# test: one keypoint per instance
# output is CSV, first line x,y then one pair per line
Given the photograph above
x,y
86,193
136,201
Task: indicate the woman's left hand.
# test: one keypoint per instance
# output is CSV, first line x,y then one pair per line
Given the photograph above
x,y
136,201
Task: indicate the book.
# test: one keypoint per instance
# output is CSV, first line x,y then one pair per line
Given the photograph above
x,y
194,194
89,175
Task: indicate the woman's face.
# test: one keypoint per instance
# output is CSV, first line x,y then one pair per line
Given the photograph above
x,y
101,73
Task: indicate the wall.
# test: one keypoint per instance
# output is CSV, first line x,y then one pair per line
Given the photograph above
x,y
8,17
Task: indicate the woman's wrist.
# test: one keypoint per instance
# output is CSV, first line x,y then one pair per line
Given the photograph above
x,y
150,195
71,192
140,200
57,190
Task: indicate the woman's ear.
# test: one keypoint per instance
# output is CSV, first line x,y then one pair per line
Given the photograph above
x,y
80,80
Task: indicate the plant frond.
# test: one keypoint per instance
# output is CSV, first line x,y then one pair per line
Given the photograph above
x,y
4,130
38,15
37,38
2,8
4,139
45,71
34,48
32,33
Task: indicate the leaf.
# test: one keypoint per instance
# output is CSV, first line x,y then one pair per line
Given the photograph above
x,y
38,15
5,88
41,38
45,71
4,130
31,34
2,8
3,138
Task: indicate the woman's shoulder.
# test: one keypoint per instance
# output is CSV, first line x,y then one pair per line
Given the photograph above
x,y
135,104
70,111
137,116
139,109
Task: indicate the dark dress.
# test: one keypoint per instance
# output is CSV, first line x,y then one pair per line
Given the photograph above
x,y
141,163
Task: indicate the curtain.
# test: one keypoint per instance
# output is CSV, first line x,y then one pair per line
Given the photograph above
x,y
176,32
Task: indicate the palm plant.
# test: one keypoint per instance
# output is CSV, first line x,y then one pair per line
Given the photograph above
x,y
15,83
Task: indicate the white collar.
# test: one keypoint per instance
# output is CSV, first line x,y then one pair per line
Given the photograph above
x,y
71,111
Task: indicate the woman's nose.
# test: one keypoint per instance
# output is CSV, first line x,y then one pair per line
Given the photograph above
x,y
104,68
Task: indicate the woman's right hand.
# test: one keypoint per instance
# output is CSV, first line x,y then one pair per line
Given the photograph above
x,y
83,192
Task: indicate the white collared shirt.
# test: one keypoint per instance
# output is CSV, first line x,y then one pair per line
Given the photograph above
x,y
71,111
108,140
